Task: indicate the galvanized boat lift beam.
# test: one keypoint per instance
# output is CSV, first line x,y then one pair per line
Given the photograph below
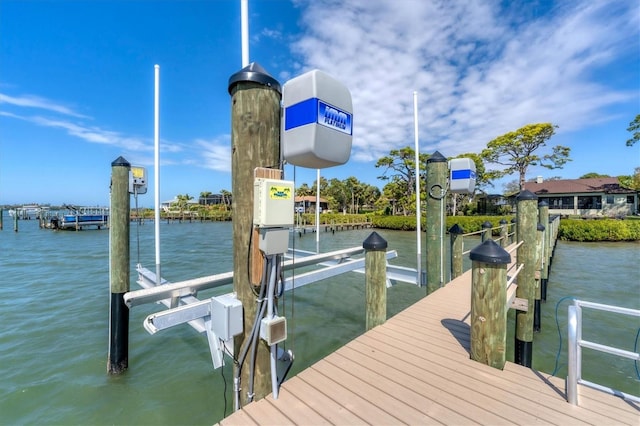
x,y
186,308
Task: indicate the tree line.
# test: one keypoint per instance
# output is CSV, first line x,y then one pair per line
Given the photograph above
x,y
512,153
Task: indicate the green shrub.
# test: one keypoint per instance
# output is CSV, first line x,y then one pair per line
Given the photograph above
x,y
599,230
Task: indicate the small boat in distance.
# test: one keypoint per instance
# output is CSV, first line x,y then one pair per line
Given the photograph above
x,y
79,217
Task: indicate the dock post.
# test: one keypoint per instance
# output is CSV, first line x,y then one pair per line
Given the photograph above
x,y
1,218
486,231
119,255
255,142
457,247
375,280
437,170
543,215
15,221
489,303
527,219
538,271
504,231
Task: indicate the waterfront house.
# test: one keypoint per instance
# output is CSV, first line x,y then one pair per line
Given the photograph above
x,y
589,198
307,204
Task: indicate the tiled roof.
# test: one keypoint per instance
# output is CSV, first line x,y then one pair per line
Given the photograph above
x,y
609,185
311,198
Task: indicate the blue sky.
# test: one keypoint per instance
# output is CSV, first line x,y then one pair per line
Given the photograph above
x,y
77,79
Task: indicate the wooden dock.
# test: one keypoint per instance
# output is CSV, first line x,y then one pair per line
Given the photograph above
x,y
415,369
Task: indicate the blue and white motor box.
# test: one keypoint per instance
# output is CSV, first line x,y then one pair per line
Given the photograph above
x,y
317,122
462,175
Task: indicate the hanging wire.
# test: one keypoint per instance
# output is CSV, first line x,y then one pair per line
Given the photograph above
x,y
135,197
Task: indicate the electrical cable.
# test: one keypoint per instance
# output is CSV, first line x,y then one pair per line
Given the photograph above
x,y
556,366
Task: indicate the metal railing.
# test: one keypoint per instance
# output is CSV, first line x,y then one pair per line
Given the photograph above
x,y
576,343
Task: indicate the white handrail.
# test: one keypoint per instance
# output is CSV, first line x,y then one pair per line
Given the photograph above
x,y
576,343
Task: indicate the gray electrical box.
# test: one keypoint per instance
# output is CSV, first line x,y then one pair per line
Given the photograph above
x,y
273,202
226,316
317,124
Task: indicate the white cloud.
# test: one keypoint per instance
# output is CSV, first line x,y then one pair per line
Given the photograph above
x,y
215,154
479,71
31,101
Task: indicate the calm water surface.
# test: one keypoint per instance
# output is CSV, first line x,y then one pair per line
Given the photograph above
x,y
55,308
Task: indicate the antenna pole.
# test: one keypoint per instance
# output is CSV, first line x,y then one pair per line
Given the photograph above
x,y
244,25
156,160
418,214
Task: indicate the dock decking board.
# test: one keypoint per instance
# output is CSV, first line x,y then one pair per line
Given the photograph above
x,y
415,369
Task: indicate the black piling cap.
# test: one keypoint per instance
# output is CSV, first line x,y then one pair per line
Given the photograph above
x,y
456,229
254,73
541,227
526,195
120,161
503,221
487,224
436,157
543,203
490,252
514,220
374,242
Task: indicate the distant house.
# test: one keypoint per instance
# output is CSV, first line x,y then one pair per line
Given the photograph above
x,y
586,197
307,204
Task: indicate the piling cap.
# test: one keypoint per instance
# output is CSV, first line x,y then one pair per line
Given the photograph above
x,y
254,73
487,224
374,242
541,227
436,157
503,221
456,229
490,252
543,203
526,195
120,161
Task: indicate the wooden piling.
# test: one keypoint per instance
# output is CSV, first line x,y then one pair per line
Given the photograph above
x,y
375,280
15,222
527,219
118,358
1,219
543,215
504,231
486,231
538,291
436,184
255,142
489,303
457,247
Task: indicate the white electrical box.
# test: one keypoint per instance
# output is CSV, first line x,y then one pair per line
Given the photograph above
x,y
274,240
137,180
462,175
226,316
317,124
273,203
273,330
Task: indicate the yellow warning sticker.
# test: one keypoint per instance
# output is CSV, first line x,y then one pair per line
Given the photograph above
x,y
280,192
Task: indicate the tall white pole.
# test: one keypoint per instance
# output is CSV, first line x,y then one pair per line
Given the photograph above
x,y
317,210
156,161
418,214
244,25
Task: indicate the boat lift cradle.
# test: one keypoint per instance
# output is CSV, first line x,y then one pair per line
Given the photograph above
x,y
185,307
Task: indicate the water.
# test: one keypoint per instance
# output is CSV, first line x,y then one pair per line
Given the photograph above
x,y
55,308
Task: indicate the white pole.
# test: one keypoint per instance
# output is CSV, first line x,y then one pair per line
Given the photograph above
x,y
317,210
244,25
156,174
418,214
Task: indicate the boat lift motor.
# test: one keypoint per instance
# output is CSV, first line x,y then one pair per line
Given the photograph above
x,y
317,124
462,175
